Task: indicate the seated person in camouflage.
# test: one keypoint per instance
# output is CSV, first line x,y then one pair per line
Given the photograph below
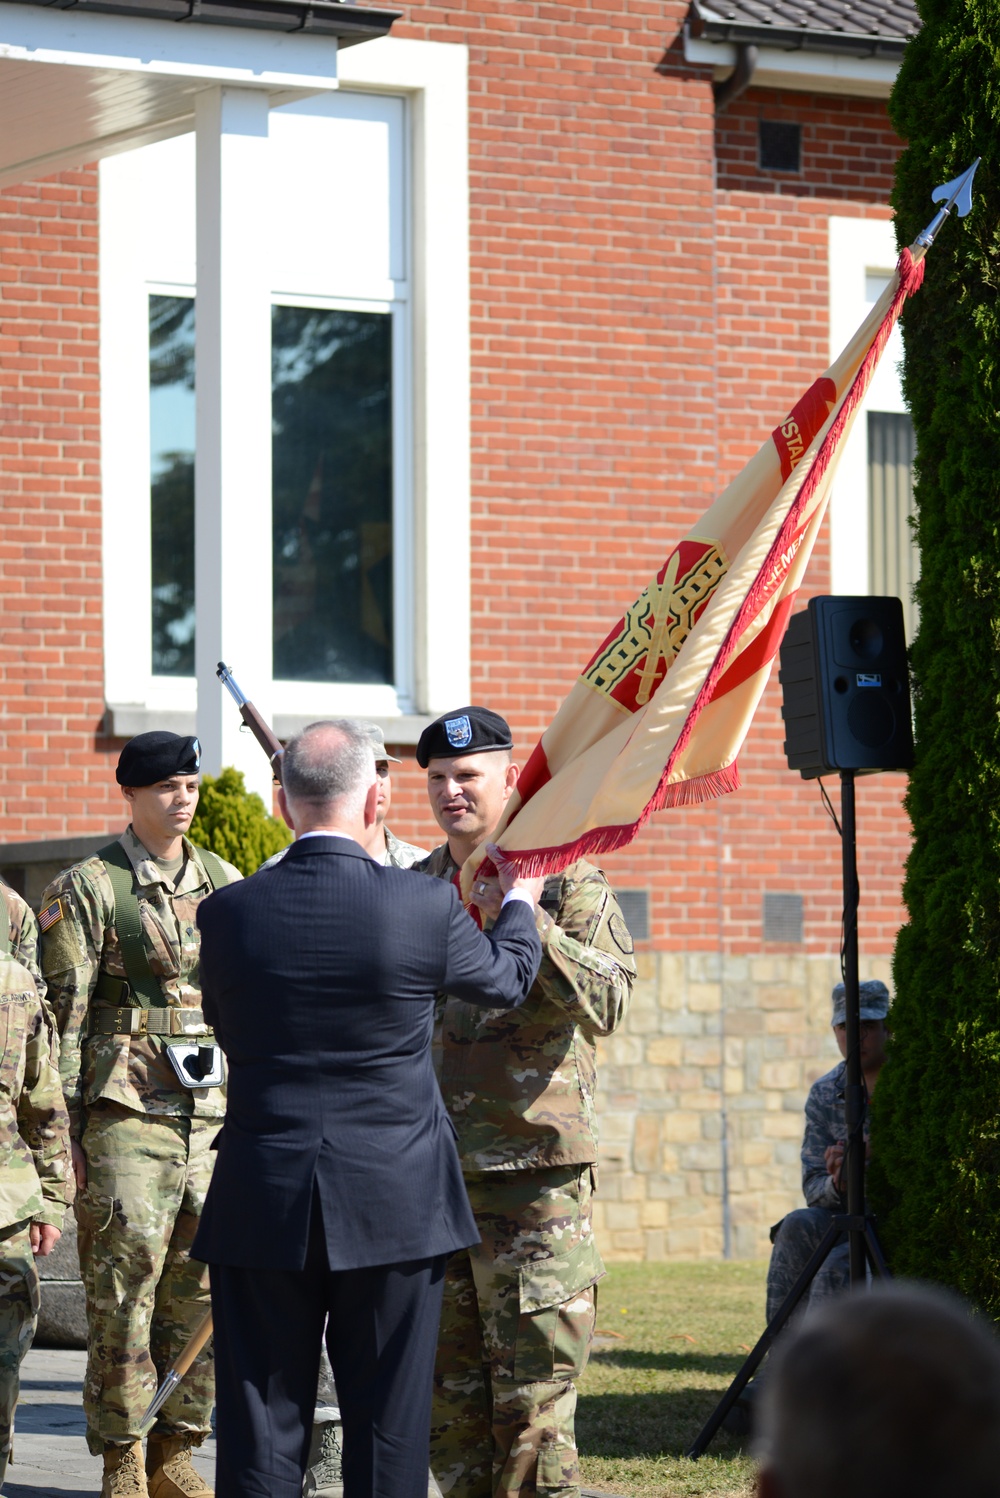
x,y
519,1308
35,1172
141,1076
796,1236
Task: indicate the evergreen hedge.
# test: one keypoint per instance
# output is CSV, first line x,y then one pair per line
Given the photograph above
x,y
935,1169
234,823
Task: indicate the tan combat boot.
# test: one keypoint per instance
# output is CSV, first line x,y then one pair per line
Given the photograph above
x,y
123,1474
169,1470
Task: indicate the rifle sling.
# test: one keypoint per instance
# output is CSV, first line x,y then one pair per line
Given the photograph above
x,y
127,920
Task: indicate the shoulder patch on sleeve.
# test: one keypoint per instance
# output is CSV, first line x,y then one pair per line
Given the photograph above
x,y
621,934
52,913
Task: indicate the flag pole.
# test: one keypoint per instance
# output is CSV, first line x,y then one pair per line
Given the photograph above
x,y
955,194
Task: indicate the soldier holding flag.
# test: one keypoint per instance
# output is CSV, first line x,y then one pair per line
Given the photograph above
x,y
519,1086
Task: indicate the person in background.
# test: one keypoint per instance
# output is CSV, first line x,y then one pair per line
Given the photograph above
x,y
143,1083
796,1236
890,1393
36,1176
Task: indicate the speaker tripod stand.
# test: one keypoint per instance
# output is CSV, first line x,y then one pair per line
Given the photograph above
x,y
863,1244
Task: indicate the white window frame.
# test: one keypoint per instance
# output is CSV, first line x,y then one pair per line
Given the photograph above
x,y
431,430
858,247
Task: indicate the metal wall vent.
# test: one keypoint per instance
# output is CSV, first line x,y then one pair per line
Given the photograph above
x,y
783,918
635,909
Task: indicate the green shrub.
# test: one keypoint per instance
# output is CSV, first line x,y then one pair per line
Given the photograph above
x,y
233,822
935,1171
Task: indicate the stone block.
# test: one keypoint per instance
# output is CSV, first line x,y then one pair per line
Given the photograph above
x,y
732,1081
682,1127
633,1187
704,1156
646,1145
781,1076
782,1126
622,1216
705,1050
704,998
664,1050
711,1126
656,1246
654,1214
705,967
777,996
684,1242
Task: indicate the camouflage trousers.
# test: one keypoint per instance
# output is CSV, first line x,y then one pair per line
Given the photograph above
x,y
516,1329
18,1315
795,1238
146,1184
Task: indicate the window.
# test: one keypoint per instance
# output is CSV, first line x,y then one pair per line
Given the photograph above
x,y
367,248
171,482
893,558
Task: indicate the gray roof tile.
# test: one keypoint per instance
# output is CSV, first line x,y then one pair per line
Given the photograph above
x,y
851,24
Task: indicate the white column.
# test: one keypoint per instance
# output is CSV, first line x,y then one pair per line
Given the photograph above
x,y
233,425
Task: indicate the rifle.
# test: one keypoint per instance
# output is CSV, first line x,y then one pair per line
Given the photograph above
x,y
262,732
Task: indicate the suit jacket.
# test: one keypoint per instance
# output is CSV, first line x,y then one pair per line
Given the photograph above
x,y
319,977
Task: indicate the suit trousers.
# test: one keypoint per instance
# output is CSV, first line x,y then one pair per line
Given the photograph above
x,y
381,1336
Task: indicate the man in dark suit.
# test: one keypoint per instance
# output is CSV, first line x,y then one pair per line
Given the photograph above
x,y
337,1187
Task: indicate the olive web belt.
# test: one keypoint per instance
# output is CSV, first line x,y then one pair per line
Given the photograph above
x,y
131,1021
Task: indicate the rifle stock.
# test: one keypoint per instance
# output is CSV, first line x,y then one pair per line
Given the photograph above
x,y
262,732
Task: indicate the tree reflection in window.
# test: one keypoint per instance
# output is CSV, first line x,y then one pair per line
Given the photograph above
x,y
332,495
171,423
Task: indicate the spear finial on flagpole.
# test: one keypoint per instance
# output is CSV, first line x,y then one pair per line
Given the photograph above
x,y
959,195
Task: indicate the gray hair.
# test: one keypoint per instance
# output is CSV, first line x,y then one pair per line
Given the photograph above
x,y
329,762
894,1393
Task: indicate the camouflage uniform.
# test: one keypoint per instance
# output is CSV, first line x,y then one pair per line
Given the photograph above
x,y
22,940
35,1173
519,1307
146,1138
798,1234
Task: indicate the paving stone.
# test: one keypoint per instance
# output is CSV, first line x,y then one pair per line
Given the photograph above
x,y
50,1446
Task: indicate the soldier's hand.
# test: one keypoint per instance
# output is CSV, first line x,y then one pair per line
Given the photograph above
x,y
833,1156
507,877
79,1165
44,1238
488,896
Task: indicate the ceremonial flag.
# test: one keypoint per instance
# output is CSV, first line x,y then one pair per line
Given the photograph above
x,y
658,715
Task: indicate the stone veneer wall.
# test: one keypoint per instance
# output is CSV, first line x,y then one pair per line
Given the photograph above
x,y
700,1099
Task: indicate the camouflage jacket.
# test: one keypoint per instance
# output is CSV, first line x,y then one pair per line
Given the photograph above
x,y
520,1084
398,855
79,941
22,934
35,1174
825,1125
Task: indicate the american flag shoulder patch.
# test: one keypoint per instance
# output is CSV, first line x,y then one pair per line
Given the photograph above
x,y
48,917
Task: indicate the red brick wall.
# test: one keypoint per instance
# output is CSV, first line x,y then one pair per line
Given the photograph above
x,y
55,780
637,331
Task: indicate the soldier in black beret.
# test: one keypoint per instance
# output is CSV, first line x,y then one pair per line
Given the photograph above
x,y
142,1078
519,1088
469,730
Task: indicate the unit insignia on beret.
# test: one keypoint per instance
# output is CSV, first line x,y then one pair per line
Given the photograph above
x,y
459,731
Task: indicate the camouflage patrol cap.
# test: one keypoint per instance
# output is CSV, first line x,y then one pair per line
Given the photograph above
x,y
377,739
150,757
468,730
874,1001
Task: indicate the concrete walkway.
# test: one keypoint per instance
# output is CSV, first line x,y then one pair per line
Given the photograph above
x,y
50,1448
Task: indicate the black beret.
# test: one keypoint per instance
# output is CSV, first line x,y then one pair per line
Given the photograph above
x,y
468,730
150,757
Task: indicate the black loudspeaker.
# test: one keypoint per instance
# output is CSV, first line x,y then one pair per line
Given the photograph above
x,y
845,687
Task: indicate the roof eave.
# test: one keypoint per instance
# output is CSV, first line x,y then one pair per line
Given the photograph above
x,y
348,23
794,39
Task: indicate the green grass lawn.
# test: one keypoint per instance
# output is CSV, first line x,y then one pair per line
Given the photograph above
x,y
681,1331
